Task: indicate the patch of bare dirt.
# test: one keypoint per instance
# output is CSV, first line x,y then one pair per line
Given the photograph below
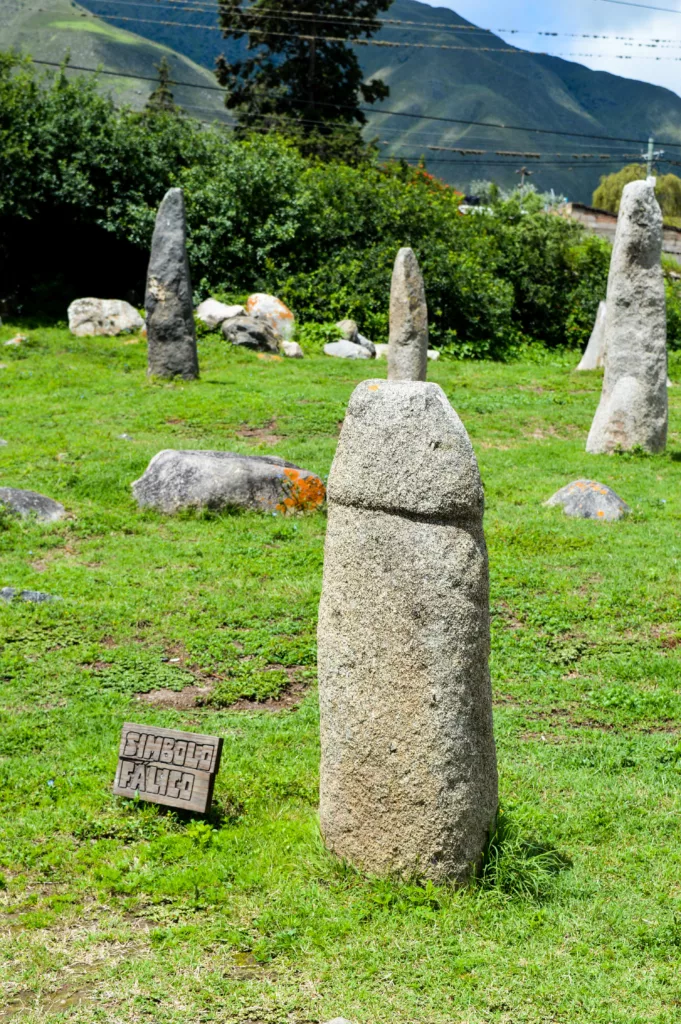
x,y
262,435
288,700
179,700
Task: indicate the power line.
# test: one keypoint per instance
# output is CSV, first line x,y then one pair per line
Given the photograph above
x,y
383,112
646,7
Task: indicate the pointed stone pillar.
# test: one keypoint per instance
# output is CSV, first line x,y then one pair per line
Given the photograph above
x,y
408,771
633,407
171,336
408,341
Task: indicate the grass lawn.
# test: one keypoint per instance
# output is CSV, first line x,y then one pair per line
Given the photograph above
x,y
114,911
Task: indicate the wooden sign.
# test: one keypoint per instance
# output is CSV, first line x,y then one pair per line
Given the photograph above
x,y
167,767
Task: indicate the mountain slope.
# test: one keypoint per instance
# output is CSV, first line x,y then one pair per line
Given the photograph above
x,y
50,29
489,85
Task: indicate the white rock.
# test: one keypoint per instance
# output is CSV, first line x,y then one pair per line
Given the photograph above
x,y
269,308
594,353
212,313
97,317
16,340
381,351
346,350
433,354
292,349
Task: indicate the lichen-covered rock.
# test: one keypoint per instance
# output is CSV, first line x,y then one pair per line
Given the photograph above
x,y
252,332
212,313
594,353
274,311
408,773
30,503
408,341
633,408
587,499
102,317
346,350
176,480
170,314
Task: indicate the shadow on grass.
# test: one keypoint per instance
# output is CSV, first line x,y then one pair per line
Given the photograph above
x,y
517,865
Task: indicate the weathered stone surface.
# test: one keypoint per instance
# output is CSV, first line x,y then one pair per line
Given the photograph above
x,y
408,341
587,499
349,330
594,353
170,314
176,480
252,332
346,350
34,596
212,313
274,311
96,317
633,407
368,345
30,503
408,771
292,350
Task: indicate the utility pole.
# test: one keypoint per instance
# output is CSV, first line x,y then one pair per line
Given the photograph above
x,y
524,173
651,156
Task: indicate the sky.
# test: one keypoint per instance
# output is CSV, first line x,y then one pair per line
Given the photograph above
x,y
593,17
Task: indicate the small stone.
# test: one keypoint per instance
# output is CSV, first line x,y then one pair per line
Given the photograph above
x,y
433,354
346,350
30,503
274,311
408,782
16,341
3,442
212,313
170,315
587,499
594,353
177,480
252,332
408,341
292,349
102,317
34,596
633,408
338,1020
125,437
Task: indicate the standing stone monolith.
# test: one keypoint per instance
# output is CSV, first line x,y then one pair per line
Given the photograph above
x,y
633,406
171,334
408,769
593,357
408,340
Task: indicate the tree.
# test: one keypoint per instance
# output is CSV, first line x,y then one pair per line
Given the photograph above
x,y
301,72
161,99
667,189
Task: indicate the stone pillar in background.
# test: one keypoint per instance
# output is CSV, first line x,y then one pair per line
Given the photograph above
x,y
408,341
170,313
594,353
408,770
633,406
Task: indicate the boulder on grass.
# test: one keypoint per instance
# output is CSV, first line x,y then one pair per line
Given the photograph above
x,y
212,313
350,332
587,499
30,503
176,480
292,350
346,350
96,317
251,332
269,308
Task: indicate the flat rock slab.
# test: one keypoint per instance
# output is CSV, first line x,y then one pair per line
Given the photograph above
x,y
30,503
176,480
34,596
103,317
251,331
347,350
587,499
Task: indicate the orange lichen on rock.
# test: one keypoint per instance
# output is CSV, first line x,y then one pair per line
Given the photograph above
x,y
304,492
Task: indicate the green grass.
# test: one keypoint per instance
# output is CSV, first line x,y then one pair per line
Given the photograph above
x,y
113,911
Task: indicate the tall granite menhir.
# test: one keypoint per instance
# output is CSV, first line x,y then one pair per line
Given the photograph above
x,y
171,334
408,771
408,339
633,406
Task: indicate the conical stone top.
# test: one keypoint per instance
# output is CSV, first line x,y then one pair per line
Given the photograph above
x,y
408,340
171,335
633,407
